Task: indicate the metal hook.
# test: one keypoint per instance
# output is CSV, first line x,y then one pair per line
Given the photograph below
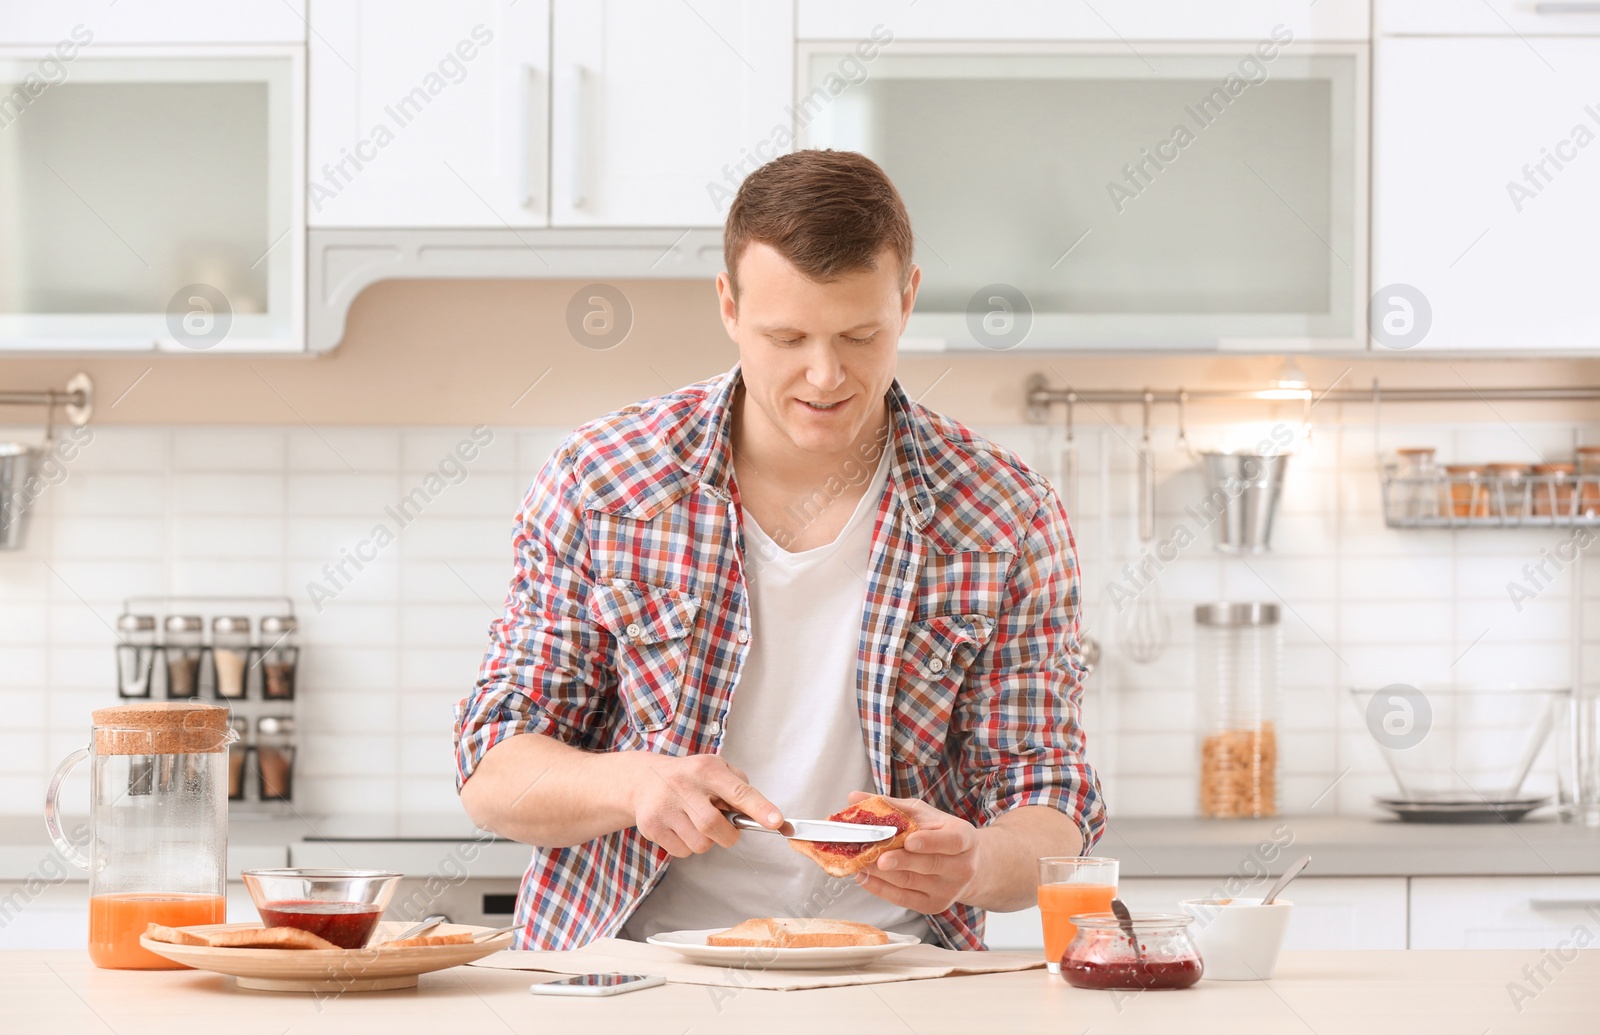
x,y
1183,424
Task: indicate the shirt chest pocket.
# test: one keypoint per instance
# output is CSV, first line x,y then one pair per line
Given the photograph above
x,y
934,662
651,627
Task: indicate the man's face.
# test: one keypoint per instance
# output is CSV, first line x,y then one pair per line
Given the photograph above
x,y
816,358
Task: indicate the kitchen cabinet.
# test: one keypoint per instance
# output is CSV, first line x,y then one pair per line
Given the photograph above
x,y
1329,912
151,197
1504,912
1481,185
660,110
153,21
429,115
1113,20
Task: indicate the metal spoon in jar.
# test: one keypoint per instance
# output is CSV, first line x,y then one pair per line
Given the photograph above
x,y
1288,875
1125,918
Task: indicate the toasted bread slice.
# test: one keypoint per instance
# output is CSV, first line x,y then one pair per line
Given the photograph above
x,y
798,933
427,940
173,935
841,859
248,938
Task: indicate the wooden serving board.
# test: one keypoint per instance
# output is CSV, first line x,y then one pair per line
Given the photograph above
x,y
370,969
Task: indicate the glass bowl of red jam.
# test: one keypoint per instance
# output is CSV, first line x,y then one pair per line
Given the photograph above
x,y
1150,951
343,906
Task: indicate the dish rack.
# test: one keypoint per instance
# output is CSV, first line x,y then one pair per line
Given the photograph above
x,y
1439,499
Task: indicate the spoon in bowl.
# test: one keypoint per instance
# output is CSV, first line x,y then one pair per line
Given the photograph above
x,y
1288,875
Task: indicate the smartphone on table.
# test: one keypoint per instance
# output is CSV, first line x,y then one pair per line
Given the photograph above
x,y
597,984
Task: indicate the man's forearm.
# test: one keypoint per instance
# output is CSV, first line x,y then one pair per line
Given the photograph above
x,y
539,791
1009,850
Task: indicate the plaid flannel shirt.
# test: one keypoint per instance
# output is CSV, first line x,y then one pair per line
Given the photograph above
x,y
626,626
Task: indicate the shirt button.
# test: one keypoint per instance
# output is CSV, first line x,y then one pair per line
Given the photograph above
x,y
744,635
634,630
937,664
715,729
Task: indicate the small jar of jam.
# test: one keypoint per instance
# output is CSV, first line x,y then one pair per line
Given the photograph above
x,y
1148,952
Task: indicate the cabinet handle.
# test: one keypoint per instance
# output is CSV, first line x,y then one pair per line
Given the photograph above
x,y
1543,904
578,167
533,133
1566,7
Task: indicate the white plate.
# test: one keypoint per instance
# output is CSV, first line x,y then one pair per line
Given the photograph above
x,y
691,945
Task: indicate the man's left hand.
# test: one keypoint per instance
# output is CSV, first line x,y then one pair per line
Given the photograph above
x,y
935,868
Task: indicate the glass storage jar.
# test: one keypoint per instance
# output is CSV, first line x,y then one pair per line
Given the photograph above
x,y
136,654
280,657
182,649
230,655
1237,676
1552,490
1419,482
1149,951
158,832
275,757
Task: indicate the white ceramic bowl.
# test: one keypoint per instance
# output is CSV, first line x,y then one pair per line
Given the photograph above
x,y
1239,938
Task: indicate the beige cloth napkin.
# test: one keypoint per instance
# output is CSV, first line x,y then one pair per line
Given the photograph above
x,y
615,955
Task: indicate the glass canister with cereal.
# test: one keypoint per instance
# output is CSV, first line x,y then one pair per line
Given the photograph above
x,y
1237,676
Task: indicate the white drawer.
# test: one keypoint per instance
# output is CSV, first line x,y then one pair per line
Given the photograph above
x,y
1488,18
1502,912
1329,912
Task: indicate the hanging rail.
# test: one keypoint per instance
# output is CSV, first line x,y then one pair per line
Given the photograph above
x,y
1040,396
76,400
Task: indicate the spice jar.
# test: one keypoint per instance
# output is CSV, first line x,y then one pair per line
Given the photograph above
x,y
182,648
1552,486
237,752
1419,484
1588,480
280,656
136,654
1507,486
230,655
1469,492
275,757
1146,952
1237,675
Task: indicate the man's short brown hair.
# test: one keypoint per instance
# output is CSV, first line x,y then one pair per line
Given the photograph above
x,y
828,212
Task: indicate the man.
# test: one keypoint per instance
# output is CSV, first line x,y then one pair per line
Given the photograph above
x,y
775,592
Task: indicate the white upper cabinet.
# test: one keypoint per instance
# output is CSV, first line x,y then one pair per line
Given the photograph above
x,y
1486,184
429,115
151,197
1113,20
1487,18
660,109
153,21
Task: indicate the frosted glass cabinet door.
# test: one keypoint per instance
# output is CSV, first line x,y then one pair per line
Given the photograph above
x,y
153,200
661,109
1183,196
1486,192
425,114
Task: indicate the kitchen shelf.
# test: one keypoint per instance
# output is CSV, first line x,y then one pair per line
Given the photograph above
x,y
1476,501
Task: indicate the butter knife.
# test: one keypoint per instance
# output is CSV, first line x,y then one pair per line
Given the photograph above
x,y
817,830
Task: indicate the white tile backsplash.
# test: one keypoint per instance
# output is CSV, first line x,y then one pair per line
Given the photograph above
x,y
152,511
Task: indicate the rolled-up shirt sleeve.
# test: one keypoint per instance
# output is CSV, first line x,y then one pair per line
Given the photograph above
x,y
1021,713
545,671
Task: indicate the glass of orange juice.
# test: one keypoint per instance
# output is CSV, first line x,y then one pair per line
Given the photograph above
x,y
1070,885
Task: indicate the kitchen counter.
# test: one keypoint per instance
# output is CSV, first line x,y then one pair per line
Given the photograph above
x,y
1350,846
1343,846
1328,993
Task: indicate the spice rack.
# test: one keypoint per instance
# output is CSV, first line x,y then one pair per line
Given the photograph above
x,y
1442,499
240,652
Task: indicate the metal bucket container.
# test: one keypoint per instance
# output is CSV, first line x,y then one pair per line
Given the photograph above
x,y
1244,490
16,464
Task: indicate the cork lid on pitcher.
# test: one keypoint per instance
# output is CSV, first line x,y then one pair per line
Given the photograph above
x,y
161,728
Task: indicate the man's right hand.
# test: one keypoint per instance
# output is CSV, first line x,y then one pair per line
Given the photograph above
x,y
678,802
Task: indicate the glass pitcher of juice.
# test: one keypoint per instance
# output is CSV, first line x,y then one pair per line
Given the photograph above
x,y
158,825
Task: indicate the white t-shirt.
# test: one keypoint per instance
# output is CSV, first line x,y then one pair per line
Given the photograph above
x,y
794,727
